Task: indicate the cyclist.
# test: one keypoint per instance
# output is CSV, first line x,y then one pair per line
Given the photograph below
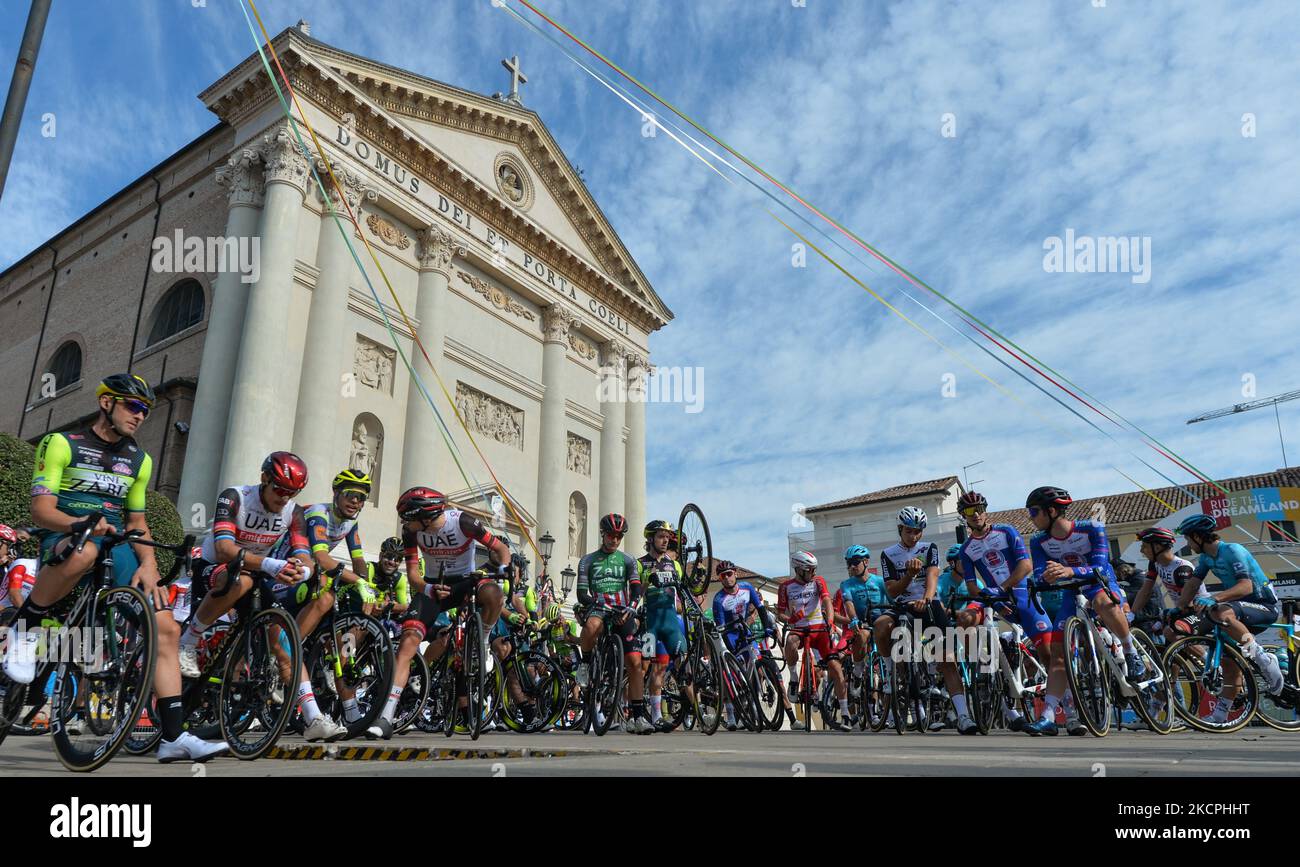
x,y
1063,549
521,605
17,576
864,596
437,535
1246,606
911,574
660,573
804,604
1164,569
101,468
386,582
739,603
328,524
609,577
254,519
953,583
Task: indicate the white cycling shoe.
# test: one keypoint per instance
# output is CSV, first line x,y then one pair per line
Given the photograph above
x,y
324,729
20,658
189,659
188,748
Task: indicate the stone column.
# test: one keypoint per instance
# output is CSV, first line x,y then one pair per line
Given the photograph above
x,y
613,402
638,367
553,445
424,453
206,441
260,397
324,360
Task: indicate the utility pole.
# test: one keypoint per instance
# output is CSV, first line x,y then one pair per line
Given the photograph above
x,y
16,101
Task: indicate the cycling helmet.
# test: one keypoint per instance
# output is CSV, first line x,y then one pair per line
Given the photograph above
x,y
971,498
285,470
655,526
7,534
354,480
857,552
803,560
614,524
953,553
913,518
126,385
1157,536
1048,495
724,566
392,547
420,502
1197,524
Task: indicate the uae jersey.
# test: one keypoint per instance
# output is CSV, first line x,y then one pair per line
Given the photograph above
x,y
450,549
1171,576
243,518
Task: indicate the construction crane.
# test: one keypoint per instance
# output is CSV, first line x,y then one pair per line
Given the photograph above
x,y
1254,404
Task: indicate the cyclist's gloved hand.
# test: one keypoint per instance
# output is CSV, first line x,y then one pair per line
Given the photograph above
x,y
514,618
367,592
853,624
273,566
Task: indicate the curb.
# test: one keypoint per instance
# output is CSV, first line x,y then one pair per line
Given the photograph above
x,y
405,754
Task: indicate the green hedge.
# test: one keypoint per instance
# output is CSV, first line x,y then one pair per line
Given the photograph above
x,y
17,459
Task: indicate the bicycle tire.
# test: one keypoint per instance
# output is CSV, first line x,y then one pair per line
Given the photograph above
x,y
693,529
900,696
742,700
1157,695
374,665
606,683
980,697
1272,714
769,690
450,692
1088,677
128,617
546,686
250,676
1181,656
876,702
476,676
706,680
411,704
922,700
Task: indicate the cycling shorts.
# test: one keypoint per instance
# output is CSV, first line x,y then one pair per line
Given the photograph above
x,y
669,632
1255,614
125,563
1039,626
625,631
819,639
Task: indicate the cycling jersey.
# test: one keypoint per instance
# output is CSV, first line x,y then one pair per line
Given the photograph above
x,y
608,579
993,556
950,582
325,529
88,474
802,602
1173,576
893,560
732,606
20,575
243,518
866,593
1231,563
657,574
388,588
452,547
1085,548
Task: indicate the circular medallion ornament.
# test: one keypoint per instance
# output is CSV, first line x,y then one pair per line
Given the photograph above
x,y
512,181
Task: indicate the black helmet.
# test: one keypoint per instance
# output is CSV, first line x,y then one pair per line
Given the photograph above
x,y
1048,495
657,525
614,524
392,547
724,566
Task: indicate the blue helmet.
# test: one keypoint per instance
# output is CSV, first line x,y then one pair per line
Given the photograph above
x,y
954,552
1197,524
857,552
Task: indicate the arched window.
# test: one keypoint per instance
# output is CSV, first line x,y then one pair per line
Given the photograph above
x,y
180,308
66,365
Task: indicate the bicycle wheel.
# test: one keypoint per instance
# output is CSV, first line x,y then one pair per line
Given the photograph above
x,y
1154,703
876,702
1197,687
606,684
414,697
255,671
695,546
900,697
476,676
742,697
541,680
1088,676
115,678
706,680
983,699
923,701
369,670
1272,714
673,700
767,690
574,715
451,679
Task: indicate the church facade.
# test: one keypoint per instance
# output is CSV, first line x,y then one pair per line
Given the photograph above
x,y
220,277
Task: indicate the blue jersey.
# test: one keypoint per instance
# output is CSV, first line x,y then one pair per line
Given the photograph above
x,y
1083,550
735,606
1233,563
993,556
948,583
865,593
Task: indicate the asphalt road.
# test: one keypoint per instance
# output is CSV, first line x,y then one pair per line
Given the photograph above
x,y
1254,752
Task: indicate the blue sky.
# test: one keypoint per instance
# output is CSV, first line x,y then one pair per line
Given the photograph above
x,y
1121,120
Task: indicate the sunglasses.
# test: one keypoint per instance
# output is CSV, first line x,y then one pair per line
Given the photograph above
x,y
135,407
356,495
857,562
726,574
286,492
1033,511
972,510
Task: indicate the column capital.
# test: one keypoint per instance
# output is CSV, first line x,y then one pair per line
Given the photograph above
x,y
436,248
556,322
354,186
242,179
283,162
637,360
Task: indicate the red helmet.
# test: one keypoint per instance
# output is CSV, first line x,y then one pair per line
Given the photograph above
x,y
1157,536
7,534
614,524
971,498
420,502
285,470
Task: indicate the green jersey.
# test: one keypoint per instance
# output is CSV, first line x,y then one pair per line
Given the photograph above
x,y
88,474
608,578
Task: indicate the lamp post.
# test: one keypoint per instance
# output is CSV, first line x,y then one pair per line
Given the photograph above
x,y
567,579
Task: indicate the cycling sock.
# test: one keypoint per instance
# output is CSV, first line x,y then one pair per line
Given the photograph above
x,y
1050,704
959,704
656,708
30,612
307,703
1221,707
1128,643
195,631
351,711
171,717
844,707
636,709
731,713
390,707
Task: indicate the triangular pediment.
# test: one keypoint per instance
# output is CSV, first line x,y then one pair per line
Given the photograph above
x,y
493,143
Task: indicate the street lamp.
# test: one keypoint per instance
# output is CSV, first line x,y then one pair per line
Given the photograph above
x,y
567,579
548,544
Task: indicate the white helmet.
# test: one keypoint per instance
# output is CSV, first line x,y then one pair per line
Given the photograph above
x,y
803,560
912,518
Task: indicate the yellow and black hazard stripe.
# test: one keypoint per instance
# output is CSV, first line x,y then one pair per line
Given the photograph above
x,y
404,754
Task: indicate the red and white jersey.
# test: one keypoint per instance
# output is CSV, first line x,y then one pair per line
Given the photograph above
x,y
803,602
242,517
450,550
1173,576
20,576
